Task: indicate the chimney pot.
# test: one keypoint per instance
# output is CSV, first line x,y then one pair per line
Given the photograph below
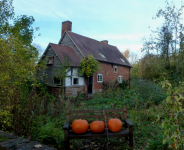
x,y
104,41
66,26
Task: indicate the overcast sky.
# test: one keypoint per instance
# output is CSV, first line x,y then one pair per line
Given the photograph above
x,y
122,22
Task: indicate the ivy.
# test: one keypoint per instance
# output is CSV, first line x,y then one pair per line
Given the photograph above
x,y
89,66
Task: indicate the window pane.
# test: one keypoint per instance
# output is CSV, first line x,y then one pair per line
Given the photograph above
x,y
120,79
75,81
57,81
99,78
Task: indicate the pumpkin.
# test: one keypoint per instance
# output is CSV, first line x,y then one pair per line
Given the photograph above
x,y
80,126
115,125
97,126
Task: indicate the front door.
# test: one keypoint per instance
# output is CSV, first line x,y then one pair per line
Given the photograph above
x,y
90,85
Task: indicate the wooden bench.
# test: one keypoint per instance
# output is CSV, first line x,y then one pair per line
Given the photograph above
x,y
90,116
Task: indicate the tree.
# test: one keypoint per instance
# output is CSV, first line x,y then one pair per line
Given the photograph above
x,y
170,33
126,53
89,66
18,57
167,43
6,14
62,73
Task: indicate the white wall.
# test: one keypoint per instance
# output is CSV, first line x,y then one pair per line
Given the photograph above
x,y
74,75
67,81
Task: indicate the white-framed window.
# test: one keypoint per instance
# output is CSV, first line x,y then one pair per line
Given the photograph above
x,y
120,79
75,81
99,77
115,69
57,81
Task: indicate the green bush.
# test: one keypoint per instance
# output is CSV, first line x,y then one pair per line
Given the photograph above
x,y
151,92
124,84
157,144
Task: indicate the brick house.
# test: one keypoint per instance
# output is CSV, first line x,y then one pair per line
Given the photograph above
x,y
114,66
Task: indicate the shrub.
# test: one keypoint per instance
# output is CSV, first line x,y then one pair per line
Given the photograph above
x,y
50,134
157,144
151,92
111,90
124,84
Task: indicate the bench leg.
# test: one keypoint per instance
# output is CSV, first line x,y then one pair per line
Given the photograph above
x,y
67,145
67,141
131,141
131,137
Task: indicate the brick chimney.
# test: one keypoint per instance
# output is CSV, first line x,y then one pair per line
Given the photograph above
x,y
66,26
104,41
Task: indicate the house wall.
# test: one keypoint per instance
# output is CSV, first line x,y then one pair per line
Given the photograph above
x,y
109,74
47,74
66,41
70,88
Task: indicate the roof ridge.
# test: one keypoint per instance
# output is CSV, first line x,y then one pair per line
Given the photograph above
x,y
60,45
89,38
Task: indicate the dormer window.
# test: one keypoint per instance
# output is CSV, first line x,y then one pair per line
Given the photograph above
x,y
122,60
50,60
115,69
102,55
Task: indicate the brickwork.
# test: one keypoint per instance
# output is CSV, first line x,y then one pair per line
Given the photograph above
x,y
55,90
72,91
69,91
109,74
66,26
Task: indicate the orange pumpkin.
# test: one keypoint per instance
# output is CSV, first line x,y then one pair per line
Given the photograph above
x,y
80,126
97,126
115,125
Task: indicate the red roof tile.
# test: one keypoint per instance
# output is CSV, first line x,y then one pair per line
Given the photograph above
x,y
90,46
63,51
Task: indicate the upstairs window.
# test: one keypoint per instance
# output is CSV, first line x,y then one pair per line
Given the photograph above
x,y
122,60
115,69
75,81
120,79
102,55
99,78
57,81
50,60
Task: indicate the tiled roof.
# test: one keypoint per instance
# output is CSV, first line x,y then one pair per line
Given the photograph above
x,y
90,46
63,51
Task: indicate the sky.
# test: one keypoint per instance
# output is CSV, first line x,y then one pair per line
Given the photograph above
x,y
122,22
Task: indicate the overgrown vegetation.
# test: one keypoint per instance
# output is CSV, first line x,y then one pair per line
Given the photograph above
x,y
155,101
89,66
